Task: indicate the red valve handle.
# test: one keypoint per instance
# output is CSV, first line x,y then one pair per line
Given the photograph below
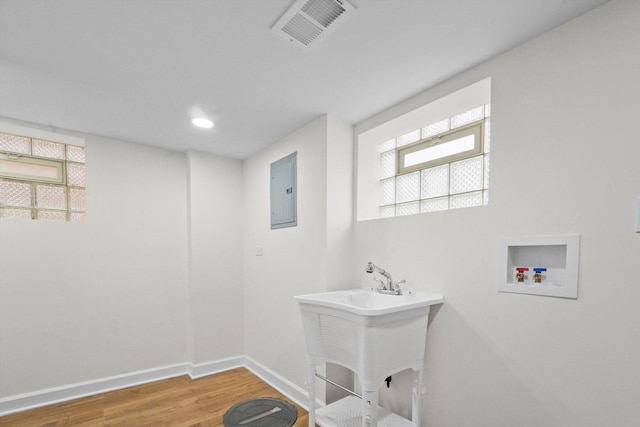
x,y
521,269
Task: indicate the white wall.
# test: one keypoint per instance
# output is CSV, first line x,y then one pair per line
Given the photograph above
x,y
80,302
152,280
564,160
339,208
215,258
299,259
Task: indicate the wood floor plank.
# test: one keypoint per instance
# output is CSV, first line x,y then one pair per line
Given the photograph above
x,y
178,401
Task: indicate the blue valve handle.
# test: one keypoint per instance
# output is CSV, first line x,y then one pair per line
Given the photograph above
x,y
539,269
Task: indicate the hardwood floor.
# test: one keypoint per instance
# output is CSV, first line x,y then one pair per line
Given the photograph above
x,y
178,401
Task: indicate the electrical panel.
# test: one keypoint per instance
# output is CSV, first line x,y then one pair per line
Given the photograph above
x,y
284,192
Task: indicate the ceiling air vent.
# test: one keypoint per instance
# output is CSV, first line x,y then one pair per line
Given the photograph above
x,y
307,22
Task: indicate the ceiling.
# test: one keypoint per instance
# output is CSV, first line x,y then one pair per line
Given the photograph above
x,y
136,70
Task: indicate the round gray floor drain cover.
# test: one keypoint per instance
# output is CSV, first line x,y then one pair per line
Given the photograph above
x,y
262,412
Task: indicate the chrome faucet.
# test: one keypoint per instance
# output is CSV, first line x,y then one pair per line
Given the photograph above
x,y
388,286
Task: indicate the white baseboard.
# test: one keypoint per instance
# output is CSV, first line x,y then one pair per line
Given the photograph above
x,y
22,402
284,386
210,368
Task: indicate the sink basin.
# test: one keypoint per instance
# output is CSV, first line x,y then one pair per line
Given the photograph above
x,y
370,303
370,333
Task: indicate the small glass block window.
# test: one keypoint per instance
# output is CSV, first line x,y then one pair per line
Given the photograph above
x,y
52,215
52,150
78,217
435,128
466,175
485,185
467,117
387,211
77,199
388,164
414,179
435,205
13,193
75,174
15,213
408,208
46,182
388,145
51,196
408,187
487,135
435,182
387,191
408,138
75,154
15,143
466,200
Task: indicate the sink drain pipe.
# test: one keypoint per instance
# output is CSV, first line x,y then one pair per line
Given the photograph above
x,y
359,396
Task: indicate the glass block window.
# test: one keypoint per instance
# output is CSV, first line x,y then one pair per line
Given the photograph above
x,y
408,138
408,187
446,165
41,180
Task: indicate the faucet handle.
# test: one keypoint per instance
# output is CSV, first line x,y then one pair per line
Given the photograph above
x,y
397,283
382,284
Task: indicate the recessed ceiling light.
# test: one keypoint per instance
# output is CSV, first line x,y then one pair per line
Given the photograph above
x,y
202,122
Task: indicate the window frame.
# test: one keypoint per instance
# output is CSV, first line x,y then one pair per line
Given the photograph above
x,y
59,165
476,129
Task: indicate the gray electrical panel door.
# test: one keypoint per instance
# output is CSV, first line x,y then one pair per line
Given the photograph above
x,y
284,192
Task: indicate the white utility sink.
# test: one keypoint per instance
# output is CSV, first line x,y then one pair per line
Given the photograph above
x,y
370,303
375,335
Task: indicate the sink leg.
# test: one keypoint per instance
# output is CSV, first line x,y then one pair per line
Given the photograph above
x,y
416,401
311,369
370,408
